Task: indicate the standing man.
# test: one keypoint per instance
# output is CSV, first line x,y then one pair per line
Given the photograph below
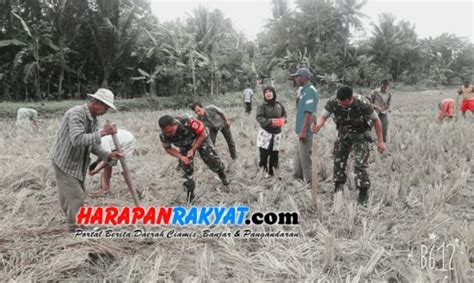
x,y
77,137
215,120
307,105
26,118
189,136
248,96
381,99
467,93
352,115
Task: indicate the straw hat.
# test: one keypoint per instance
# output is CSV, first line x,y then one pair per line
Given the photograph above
x,y
105,96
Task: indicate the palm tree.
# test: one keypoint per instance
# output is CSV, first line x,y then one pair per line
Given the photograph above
x,y
115,32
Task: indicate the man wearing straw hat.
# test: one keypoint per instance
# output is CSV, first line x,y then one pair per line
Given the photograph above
x,y
78,136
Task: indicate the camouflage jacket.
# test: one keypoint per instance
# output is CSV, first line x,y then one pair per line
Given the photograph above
x,y
355,119
188,131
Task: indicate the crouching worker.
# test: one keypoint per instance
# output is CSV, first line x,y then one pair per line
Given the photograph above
x,y
446,110
351,114
127,145
188,136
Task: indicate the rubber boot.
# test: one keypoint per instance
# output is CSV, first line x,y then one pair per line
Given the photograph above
x,y
189,186
223,178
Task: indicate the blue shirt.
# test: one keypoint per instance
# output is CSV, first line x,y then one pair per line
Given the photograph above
x,y
307,102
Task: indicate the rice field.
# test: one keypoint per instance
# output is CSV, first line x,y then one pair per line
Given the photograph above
x,y
418,226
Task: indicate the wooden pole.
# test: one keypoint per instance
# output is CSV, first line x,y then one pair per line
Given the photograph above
x,y
126,172
457,108
314,174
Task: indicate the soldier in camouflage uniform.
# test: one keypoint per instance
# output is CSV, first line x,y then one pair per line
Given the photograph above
x,y
189,135
352,115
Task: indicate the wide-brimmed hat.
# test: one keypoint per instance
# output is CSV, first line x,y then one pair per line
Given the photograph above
x,y
105,96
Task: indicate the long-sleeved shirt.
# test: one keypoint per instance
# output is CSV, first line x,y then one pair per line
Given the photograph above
x,y
266,112
214,117
381,99
77,137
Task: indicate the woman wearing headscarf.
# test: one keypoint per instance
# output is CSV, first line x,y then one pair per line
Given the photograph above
x,y
271,115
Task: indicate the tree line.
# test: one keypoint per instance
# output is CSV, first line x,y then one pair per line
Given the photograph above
x,y
59,49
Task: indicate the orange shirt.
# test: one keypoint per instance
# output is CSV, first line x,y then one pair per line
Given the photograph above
x,y
446,109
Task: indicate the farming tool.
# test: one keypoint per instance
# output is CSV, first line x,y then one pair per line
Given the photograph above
x,y
314,175
126,172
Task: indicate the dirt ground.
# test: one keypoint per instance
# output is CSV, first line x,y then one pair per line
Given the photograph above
x,y
418,226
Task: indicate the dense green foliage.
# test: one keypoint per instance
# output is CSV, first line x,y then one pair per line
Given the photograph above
x,y
58,49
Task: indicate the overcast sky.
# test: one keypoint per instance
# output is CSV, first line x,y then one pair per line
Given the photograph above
x,y
431,18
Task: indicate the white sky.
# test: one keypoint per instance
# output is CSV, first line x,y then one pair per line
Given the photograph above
x,y
431,18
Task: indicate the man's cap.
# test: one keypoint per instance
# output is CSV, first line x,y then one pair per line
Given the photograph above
x,y
105,96
302,72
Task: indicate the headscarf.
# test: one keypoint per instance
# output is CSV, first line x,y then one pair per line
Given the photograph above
x,y
271,102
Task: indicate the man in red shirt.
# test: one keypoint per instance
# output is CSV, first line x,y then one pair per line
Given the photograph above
x,y
446,109
188,136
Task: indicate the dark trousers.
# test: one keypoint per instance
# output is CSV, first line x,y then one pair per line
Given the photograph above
x,y
384,120
228,138
248,107
268,159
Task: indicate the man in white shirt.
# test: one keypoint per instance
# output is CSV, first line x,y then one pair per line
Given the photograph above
x,y
248,95
127,143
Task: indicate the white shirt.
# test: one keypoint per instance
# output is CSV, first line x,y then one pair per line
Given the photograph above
x,y
125,138
25,115
248,92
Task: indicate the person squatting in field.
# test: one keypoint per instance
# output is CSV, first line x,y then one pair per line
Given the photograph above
x,y
467,93
381,99
446,110
189,135
127,145
77,137
26,119
271,115
351,114
215,120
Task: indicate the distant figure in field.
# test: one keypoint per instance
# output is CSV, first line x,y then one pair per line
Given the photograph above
x,y
127,145
271,115
381,99
182,138
248,96
467,92
26,118
77,137
446,110
216,121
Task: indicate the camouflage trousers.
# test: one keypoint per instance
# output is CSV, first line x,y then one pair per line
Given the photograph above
x,y
208,155
343,146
